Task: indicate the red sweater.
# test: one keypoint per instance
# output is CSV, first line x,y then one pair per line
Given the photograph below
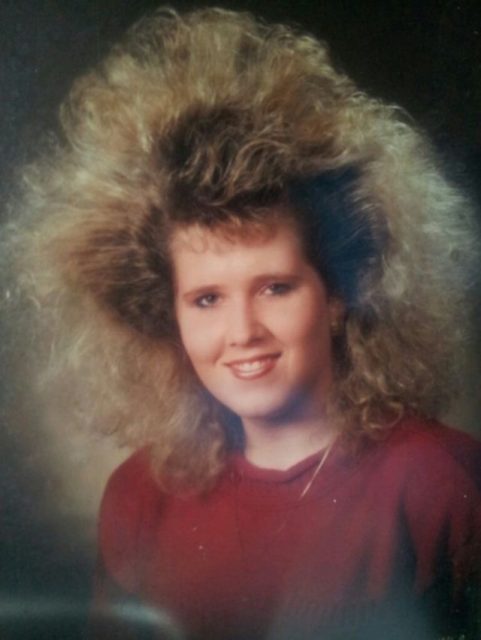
x,y
382,544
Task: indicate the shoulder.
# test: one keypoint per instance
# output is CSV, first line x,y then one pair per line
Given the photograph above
x,y
443,496
432,473
128,489
131,476
427,447
130,501
438,469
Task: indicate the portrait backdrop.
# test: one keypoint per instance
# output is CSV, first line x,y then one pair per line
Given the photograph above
x,y
423,55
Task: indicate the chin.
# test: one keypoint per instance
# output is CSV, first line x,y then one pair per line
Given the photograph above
x,y
275,411
255,411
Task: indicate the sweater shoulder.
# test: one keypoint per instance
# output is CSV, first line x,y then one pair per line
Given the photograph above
x,y
429,446
130,500
131,476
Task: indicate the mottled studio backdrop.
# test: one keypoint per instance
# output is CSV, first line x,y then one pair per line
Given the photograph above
x,y
422,54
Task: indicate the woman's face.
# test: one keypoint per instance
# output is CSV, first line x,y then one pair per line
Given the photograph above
x,y
254,319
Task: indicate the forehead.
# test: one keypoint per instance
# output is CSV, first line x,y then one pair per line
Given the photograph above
x,y
197,251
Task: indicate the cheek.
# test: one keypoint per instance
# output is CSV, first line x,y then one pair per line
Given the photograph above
x,y
199,339
307,324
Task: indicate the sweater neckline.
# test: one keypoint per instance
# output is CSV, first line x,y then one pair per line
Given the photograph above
x,y
272,489
249,471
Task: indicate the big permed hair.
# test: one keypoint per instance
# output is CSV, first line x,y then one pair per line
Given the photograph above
x,y
215,118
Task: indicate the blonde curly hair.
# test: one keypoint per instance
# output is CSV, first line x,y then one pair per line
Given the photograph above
x,y
215,118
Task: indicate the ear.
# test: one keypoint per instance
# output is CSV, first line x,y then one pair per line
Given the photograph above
x,y
337,313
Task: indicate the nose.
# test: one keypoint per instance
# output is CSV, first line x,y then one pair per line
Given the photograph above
x,y
244,327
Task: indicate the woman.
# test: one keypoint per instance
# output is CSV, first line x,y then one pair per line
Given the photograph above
x,y
260,279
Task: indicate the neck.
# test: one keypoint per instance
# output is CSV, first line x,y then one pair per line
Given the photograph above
x,y
281,445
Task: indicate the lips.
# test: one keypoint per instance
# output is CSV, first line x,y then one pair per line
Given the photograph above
x,y
253,367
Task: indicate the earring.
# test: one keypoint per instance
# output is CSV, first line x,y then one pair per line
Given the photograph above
x,y
336,327
337,312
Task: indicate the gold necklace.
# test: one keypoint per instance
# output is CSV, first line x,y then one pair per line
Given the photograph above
x,y
316,470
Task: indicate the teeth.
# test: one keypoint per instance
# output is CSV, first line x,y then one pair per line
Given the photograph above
x,y
253,368
249,367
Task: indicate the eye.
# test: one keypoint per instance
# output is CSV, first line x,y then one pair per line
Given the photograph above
x,y
278,288
206,300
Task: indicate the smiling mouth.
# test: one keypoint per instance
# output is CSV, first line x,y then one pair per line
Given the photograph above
x,y
254,368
